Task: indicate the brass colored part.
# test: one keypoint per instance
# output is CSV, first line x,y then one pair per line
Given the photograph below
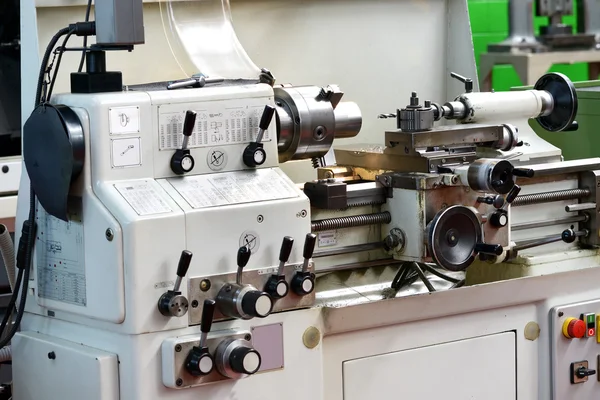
x,y
311,337
532,331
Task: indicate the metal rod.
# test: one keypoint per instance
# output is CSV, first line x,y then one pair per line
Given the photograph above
x,y
351,221
348,249
177,284
540,224
527,244
580,207
358,265
547,197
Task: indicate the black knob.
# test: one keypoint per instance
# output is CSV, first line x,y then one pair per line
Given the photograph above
x,y
182,162
499,218
582,372
254,155
523,172
303,283
497,201
277,287
309,245
512,195
208,312
243,256
493,249
184,263
199,362
286,248
257,304
266,118
244,360
189,122
568,236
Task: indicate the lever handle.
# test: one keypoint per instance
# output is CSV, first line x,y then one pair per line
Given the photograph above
x,y
309,245
286,249
573,127
243,256
467,81
189,123
266,118
512,195
524,172
208,312
485,248
582,372
184,263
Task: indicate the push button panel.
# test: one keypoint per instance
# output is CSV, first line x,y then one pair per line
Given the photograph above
x,y
575,348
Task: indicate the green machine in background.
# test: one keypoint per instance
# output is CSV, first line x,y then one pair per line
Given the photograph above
x,y
585,142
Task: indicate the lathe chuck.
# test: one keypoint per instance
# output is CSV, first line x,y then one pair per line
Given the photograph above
x,y
452,236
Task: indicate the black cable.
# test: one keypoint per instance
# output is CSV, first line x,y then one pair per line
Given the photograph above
x,y
85,38
47,53
437,273
61,51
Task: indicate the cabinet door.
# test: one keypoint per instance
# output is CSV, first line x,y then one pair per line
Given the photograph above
x,y
482,368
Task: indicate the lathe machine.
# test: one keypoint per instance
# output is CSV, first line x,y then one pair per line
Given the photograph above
x,y
164,254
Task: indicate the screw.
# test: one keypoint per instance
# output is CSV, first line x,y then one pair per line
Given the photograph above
x,y
205,285
303,213
5,168
52,355
109,235
260,219
179,382
178,348
560,313
194,303
443,161
454,179
247,337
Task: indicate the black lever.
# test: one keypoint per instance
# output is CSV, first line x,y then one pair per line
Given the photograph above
x,y
303,282
512,195
254,154
467,81
276,286
582,372
172,303
523,172
243,256
199,361
493,249
182,161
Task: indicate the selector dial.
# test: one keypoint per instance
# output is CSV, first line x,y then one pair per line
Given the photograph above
x,y
257,304
236,358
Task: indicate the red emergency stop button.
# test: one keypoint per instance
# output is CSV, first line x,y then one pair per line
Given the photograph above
x,y
574,328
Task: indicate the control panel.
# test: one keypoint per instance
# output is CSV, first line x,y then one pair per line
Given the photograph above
x,y
575,351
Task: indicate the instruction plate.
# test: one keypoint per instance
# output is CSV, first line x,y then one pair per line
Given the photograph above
x,y
143,197
218,123
238,187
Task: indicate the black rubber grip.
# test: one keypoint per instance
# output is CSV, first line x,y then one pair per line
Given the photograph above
x,y
266,118
184,263
485,248
309,245
524,172
286,248
243,256
512,195
189,123
208,311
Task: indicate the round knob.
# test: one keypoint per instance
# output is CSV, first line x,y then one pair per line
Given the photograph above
x,y
277,287
499,219
244,360
199,362
303,283
254,155
182,162
574,328
257,304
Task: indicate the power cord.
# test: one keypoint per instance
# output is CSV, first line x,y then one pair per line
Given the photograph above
x,y
85,38
409,272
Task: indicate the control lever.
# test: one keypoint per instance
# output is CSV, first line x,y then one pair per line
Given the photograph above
x,y
303,283
237,300
182,161
199,361
172,303
497,201
583,372
276,286
523,172
467,81
196,81
254,153
491,249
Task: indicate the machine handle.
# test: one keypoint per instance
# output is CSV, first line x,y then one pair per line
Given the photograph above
x,y
572,128
286,249
309,245
485,248
467,81
523,172
512,195
208,312
184,263
243,256
189,123
266,118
